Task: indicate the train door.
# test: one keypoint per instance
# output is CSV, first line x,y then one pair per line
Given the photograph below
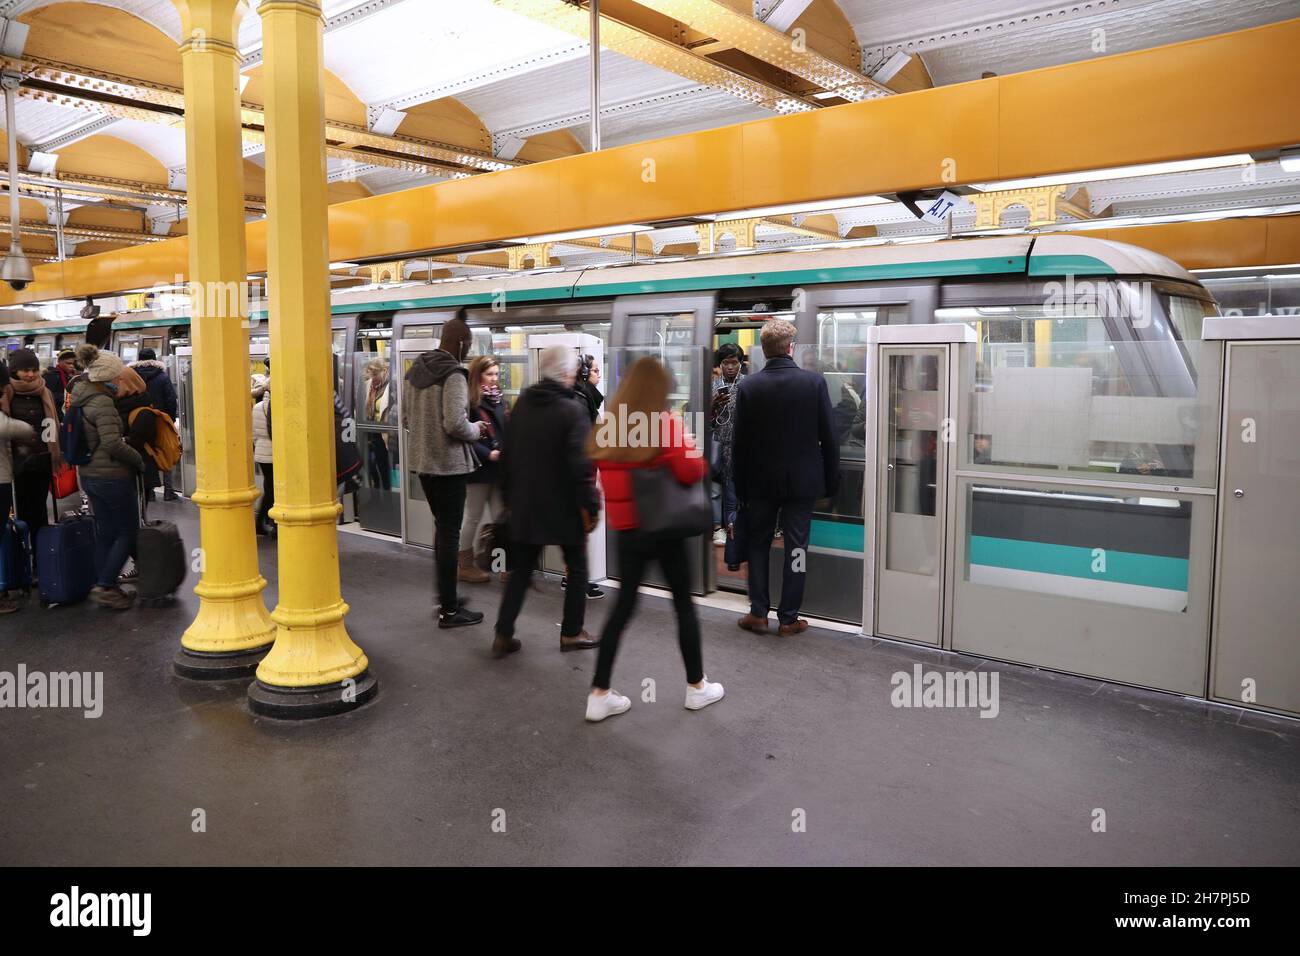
x,y
127,345
184,379
155,339
678,331
1254,658
907,441
742,329
584,344
43,346
375,402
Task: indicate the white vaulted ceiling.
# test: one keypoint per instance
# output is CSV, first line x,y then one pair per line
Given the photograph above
x,y
521,78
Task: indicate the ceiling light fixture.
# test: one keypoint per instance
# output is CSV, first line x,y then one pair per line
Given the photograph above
x,y
1119,172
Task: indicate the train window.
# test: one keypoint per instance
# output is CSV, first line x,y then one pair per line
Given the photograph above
x,y
1047,540
661,330
840,355
1075,392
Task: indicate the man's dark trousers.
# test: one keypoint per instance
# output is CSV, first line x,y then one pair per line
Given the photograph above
x,y
796,519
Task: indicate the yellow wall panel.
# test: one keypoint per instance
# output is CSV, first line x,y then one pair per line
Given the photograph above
x,y
1219,95
898,143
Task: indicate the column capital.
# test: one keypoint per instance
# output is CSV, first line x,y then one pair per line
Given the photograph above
x,y
214,22
308,8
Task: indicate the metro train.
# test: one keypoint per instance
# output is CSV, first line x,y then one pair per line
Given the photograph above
x,y
1004,288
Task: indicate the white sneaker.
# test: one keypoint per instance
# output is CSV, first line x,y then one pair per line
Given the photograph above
x,y
720,536
700,697
600,706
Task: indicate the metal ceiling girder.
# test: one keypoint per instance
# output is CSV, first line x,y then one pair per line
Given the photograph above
x,y
125,97
659,52
770,45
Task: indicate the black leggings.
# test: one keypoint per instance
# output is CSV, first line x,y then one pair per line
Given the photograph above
x,y
635,552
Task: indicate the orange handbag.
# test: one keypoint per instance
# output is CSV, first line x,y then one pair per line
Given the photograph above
x,y
64,482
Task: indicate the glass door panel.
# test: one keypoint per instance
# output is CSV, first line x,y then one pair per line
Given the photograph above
x,y
379,506
913,403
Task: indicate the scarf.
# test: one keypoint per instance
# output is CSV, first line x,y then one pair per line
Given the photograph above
x,y
19,387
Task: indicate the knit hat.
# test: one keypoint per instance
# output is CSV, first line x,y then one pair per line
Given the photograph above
x,y
20,359
67,354
99,366
456,336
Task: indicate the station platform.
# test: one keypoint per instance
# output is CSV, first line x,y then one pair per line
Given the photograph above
x,y
453,737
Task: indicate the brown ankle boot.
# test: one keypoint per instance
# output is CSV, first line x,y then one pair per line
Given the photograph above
x,y
468,573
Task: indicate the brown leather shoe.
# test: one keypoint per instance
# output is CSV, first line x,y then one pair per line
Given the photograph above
x,y
752,622
789,630
468,572
578,642
502,645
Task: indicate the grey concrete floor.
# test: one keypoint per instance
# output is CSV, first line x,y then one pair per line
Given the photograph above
x,y
419,775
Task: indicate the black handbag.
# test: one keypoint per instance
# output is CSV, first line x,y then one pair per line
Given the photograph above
x,y
668,509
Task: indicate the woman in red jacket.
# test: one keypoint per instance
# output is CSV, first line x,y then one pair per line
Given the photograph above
x,y
638,432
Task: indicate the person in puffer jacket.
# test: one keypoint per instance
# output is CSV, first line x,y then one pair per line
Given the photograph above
x,y
642,397
439,442
11,430
109,478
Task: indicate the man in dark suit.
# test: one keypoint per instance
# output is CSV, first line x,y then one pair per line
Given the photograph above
x,y
785,456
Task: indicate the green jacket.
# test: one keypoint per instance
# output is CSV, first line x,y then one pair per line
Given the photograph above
x,y
110,455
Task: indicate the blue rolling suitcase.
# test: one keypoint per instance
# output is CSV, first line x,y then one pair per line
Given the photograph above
x,y
65,560
15,556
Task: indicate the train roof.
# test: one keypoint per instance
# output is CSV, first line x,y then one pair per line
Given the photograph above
x,y
1042,256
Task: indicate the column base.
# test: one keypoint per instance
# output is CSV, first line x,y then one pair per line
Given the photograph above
x,y
236,665
307,703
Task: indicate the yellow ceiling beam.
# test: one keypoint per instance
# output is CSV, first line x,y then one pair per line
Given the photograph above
x,y
632,38
791,54
1130,108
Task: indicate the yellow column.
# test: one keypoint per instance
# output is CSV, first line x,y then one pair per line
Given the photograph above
x,y
314,668
232,630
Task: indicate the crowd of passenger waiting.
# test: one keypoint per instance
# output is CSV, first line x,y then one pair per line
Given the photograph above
x,y
502,483
117,404
539,474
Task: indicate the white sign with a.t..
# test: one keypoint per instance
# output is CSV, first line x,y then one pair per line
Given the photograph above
x,y
942,208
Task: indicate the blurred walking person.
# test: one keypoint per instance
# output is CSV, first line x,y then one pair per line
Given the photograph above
x,y
642,397
549,487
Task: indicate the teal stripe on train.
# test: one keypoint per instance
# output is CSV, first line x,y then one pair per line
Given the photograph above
x,y
837,535
1122,567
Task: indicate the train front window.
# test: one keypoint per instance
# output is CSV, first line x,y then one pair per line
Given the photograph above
x,y
1072,390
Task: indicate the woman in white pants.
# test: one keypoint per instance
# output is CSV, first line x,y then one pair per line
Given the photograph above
x,y
483,493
